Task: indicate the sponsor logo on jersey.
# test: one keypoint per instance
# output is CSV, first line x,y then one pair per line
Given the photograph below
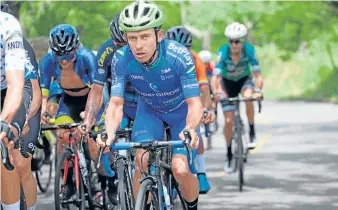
x,y
101,71
182,51
165,77
15,45
154,87
103,56
164,71
135,77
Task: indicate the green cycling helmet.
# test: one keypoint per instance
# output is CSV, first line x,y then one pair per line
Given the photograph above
x,y
141,15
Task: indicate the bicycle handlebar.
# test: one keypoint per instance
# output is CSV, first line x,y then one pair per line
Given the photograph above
x,y
237,99
62,126
148,145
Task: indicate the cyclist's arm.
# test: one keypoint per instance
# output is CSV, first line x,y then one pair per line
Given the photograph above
x,y
14,67
32,65
114,111
192,95
219,67
202,79
95,97
114,114
255,68
45,67
36,101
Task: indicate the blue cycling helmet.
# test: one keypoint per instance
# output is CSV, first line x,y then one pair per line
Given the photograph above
x,y
63,39
181,35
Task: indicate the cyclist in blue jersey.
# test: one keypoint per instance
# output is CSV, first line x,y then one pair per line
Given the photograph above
x,y
174,100
73,67
233,65
30,120
103,78
184,37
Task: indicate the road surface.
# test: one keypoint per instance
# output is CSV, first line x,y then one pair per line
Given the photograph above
x,y
294,167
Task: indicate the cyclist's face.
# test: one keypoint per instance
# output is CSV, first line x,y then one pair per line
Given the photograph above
x,y
235,45
143,43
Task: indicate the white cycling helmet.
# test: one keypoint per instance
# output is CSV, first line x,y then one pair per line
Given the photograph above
x,y
205,56
235,31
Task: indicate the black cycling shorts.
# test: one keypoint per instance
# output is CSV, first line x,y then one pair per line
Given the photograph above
x,y
20,117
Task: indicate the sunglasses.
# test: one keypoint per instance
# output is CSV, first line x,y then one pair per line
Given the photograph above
x,y
237,41
65,57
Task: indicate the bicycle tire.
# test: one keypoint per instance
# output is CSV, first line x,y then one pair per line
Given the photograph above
x,y
142,196
240,162
65,154
44,188
125,192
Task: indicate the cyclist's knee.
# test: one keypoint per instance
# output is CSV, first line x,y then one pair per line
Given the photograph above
x,y
22,165
180,167
247,93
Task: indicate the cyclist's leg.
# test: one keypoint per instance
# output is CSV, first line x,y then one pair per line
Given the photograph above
x,y
152,130
10,180
23,165
231,89
201,171
247,92
183,171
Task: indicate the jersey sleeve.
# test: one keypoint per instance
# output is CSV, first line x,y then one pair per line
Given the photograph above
x,y
31,64
252,56
14,50
188,77
103,58
201,73
90,63
118,74
46,66
220,60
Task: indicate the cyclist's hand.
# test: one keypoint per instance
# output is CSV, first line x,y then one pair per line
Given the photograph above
x,y
104,142
194,138
259,95
87,126
217,97
44,119
210,117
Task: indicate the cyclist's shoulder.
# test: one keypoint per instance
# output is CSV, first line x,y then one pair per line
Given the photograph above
x,y
123,56
176,54
47,60
106,47
85,52
10,25
249,48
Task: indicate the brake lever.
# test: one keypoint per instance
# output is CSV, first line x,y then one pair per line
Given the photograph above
x,y
187,144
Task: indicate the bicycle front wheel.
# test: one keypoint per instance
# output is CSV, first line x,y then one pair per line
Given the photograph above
x,y
240,162
125,190
144,192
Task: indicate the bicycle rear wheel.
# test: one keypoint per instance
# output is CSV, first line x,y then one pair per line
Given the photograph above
x,y
145,190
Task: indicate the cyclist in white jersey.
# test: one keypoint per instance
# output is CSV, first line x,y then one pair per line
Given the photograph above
x,y
15,101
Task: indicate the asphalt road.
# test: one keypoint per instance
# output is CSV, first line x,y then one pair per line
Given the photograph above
x,y
294,166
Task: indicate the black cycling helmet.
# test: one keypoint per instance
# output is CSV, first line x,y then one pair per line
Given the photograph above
x,y
181,35
63,39
115,31
5,7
